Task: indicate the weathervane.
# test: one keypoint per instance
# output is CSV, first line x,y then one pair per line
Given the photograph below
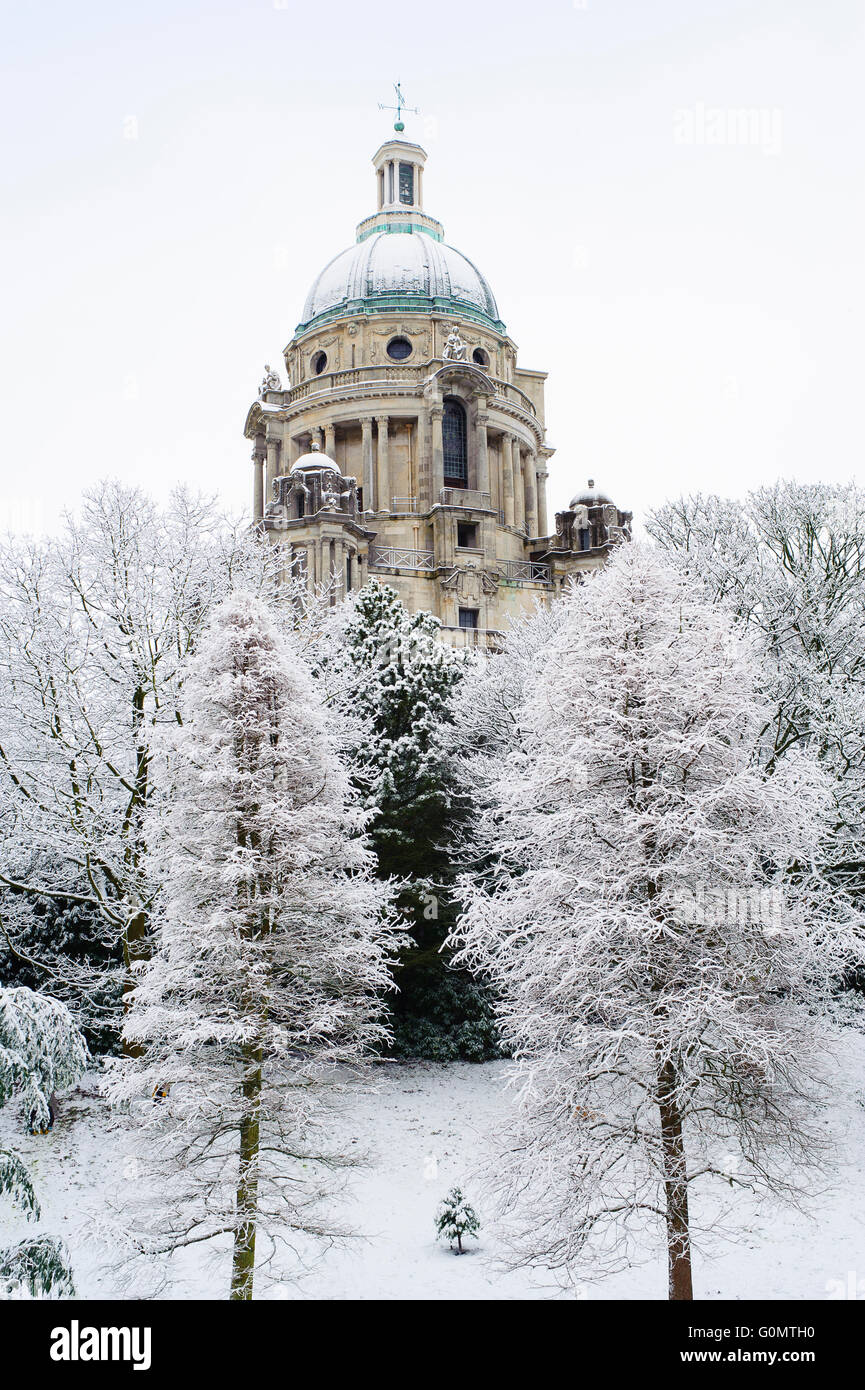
x,y
399,124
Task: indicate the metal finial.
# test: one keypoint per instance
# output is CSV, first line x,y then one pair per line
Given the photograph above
x,y
399,124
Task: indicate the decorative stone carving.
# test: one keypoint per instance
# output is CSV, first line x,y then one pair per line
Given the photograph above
x,y
301,496
470,583
455,350
331,345
403,331
269,382
583,528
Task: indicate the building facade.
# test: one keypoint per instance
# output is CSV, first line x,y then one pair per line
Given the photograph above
x,y
408,443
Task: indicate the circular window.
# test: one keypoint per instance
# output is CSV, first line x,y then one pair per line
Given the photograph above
x,y
481,358
319,362
399,349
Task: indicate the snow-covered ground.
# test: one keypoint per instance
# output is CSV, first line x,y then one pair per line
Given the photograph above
x,y
423,1130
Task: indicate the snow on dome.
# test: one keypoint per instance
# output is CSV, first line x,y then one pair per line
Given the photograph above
x,y
316,458
590,498
406,263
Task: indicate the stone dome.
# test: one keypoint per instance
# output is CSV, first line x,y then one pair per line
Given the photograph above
x,y
317,459
393,270
591,497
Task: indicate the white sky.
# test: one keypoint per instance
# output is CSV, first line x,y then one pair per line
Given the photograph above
x,y
699,306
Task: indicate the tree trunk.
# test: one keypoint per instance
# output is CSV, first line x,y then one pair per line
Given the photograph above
x,y
135,949
676,1188
243,1262
136,945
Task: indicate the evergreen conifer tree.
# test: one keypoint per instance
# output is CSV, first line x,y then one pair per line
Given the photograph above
x,y
41,1051
398,682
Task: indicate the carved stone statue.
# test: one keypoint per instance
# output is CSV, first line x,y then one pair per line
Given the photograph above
x,y
270,381
455,350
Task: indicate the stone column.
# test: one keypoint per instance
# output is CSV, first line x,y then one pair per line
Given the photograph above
x,y
519,486
382,490
543,523
273,444
495,476
482,469
258,457
423,446
330,441
531,464
508,479
438,452
368,464
317,436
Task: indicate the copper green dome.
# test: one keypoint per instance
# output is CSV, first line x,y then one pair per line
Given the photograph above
x,y
400,262
397,270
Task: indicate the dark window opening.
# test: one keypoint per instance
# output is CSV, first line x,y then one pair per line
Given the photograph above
x,y
467,535
481,358
406,183
348,574
399,349
454,441
319,362
468,617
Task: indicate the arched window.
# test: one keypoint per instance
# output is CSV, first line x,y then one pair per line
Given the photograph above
x,y
456,469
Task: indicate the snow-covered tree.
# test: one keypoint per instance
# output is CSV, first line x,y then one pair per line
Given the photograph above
x,y
273,945
67,949
95,627
649,922
488,737
397,681
41,1051
400,680
456,1218
789,561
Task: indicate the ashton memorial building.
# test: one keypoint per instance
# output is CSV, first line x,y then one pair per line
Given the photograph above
x,y
407,442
